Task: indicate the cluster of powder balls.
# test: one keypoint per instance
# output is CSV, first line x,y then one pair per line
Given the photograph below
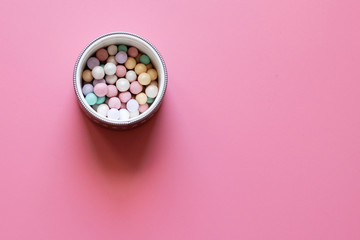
x,y
119,82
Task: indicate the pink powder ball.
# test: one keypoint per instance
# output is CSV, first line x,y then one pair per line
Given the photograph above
x,y
125,96
143,107
102,54
120,71
133,52
135,87
100,89
114,102
112,91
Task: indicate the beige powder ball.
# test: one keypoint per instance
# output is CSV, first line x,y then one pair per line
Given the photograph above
x,y
149,66
112,50
138,58
130,63
140,68
87,76
144,79
154,83
111,59
141,98
153,74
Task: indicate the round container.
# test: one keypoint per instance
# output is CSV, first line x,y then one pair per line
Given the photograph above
x,y
128,39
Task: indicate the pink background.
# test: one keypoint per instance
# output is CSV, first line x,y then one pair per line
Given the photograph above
x,y
258,137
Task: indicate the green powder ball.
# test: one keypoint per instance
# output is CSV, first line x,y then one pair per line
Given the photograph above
x,y
91,99
100,100
144,59
122,48
150,100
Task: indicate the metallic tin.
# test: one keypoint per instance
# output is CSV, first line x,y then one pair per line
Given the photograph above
x,y
144,46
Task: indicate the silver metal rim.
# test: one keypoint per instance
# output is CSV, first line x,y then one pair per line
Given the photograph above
x,y
144,115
